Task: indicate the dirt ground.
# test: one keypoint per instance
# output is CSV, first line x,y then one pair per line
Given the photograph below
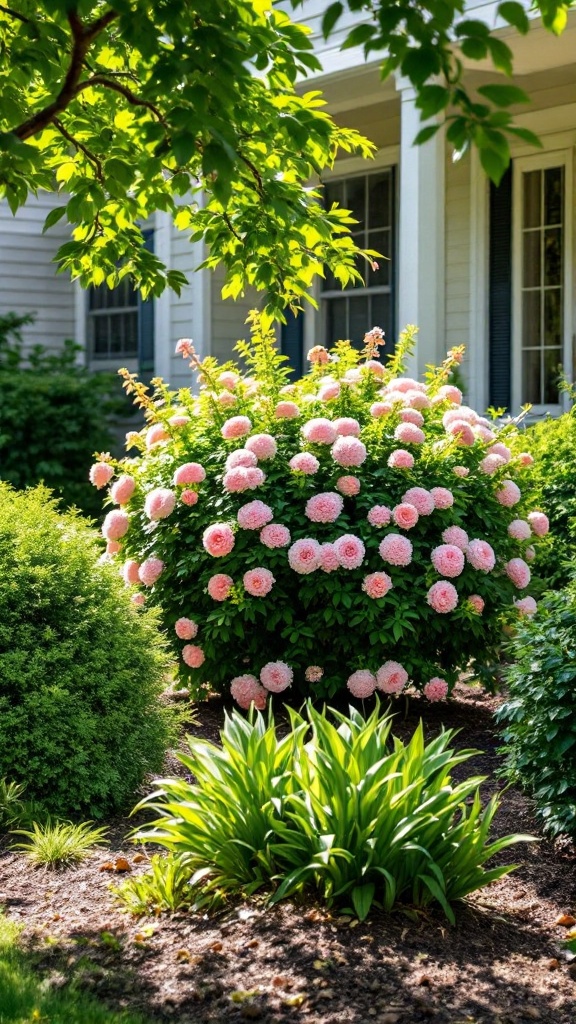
x,y
503,962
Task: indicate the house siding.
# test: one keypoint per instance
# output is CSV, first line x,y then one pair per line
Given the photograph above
x,y
228,318
457,227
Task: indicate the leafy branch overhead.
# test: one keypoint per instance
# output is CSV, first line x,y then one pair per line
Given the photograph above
x,y
132,107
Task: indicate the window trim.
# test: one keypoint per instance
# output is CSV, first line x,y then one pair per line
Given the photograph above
x,y
542,161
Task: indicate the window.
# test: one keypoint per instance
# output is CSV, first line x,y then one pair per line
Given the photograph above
x,y
113,321
349,314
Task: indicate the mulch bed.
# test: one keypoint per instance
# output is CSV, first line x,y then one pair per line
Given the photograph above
x,y
503,962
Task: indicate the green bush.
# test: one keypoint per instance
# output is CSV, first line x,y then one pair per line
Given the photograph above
x,y
53,417
342,808
539,716
80,668
549,484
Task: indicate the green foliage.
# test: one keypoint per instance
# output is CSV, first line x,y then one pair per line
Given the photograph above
x,y
550,485
165,887
539,717
11,804
58,844
25,999
318,619
53,417
80,670
338,807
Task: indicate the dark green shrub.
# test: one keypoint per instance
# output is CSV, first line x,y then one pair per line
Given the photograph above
x,y
539,716
549,485
53,417
81,669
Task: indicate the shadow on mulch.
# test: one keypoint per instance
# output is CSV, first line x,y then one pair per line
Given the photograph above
x,y
501,964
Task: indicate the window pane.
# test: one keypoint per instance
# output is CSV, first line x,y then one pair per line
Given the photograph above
x,y
531,328
531,276
334,193
531,376
336,326
553,256
553,327
532,199
100,335
379,200
358,314
380,317
552,370
553,194
356,200
379,240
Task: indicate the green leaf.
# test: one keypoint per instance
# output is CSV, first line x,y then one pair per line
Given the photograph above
x,y
330,17
515,14
526,135
121,171
420,64
362,899
359,35
503,95
425,134
53,217
494,164
501,55
183,147
432,99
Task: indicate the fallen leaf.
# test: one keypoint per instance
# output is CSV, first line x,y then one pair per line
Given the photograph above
x,y
252,944
138,858
280,982
121,864
569,935
566,920
108,865
424,980
240,996
553,964
216,947
319,965
183,955
296,1000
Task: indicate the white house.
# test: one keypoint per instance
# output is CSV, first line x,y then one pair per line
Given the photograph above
x,y
494,269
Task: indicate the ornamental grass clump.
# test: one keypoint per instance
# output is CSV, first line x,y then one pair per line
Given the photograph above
x,y
337,806
309,534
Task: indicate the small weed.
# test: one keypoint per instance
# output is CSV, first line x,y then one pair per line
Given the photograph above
x,y
165,887
60,843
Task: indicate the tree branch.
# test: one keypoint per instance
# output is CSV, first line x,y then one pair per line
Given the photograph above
x,y
255,172
15,14
110,83
81,147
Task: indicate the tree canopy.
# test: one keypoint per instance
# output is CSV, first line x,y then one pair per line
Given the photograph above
x,y
132,106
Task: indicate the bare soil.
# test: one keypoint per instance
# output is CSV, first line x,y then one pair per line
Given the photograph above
x,y
503,962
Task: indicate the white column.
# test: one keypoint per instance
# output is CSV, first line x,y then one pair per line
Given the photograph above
x,y
163,346
421,258
478,353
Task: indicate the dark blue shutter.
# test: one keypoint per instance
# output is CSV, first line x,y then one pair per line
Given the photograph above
x,y
146,323
500,292
292,341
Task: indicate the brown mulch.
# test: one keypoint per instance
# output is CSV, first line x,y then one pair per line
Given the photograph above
x,y
503,962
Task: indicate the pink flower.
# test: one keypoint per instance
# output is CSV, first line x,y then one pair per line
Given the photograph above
x,y
525,459
461,471
405,515
150,570
501,450
361,683
189,473
193,656
324,508
113,547
122,490
455,535
237,479
376,584
241,457
304,555
375,366
318,354
275,536
156,434
319,431
396,550
304,462
349,451
442,497
218,540
519,529
395,398
401,459
246,690
159,503
391,677
484,433
100,474
328,558
481,555
286,411
263,445
184,348
255,477
138,600
418,400
436,689
237,426
462,431
539,523
346,426
379,409
349,486
404,384
258,582
450,393
408,433
228,380
226,399
276,676
186,629
442,597
254,515
130,572
132,438
219,586
526,606
350,551
178,420
509,494
421,499
115,525
313,673
476,603
353,376
379,515
518,572
188,497
530,554
329,391
412,415
448,560
491,463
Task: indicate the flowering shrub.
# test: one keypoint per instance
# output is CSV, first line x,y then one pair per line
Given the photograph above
x,y
316,532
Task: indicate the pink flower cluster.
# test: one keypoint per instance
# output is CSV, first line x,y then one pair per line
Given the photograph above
x,y
304,555
539,523
313,673
319,431
401,459
219,586
376,584
456,535
123,489
409,433
189,473
405,515
237,426
361,684
115,525
186,629
276,676
448,560
159,503
349,486
509,494
350,551
304,462
150,571
518,572
396,550
349,451
391,677
254,515
100,474
275,536
436,689
379,515
346,426
442,597
241,478
263,446
246,690
218,540
421,499
258,582
324,508
481,555
286,411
